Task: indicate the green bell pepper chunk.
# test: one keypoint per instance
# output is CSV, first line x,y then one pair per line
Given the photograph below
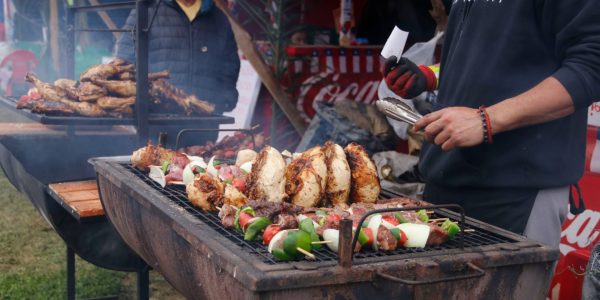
x,y
422,214
363,238
256,227
400,218
165,166
321,213
451,227
294,240
281,255
307,226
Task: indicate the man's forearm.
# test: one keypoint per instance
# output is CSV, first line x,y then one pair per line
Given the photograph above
x,y
545,102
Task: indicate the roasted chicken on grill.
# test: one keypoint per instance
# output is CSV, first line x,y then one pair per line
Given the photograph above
x,y
46,90
51,108
190,103
85,108
122,88
105,71
151,155
115,103
89,92
266,181
305,178
337,190
209,192
365,183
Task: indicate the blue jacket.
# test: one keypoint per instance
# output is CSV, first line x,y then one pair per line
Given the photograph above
x,y
201,55
494,50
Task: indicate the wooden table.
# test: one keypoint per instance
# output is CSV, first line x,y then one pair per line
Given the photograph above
x,y
79,198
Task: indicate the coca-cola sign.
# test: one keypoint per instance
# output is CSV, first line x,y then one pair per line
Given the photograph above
x,y
331,74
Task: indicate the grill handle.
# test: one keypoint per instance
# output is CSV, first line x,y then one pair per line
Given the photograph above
x,y
474,272
396,209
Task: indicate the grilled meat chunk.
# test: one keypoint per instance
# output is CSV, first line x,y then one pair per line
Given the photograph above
x,y
150,155
104,71
386,240
89,92
206,192
118,87
266,181
48,91
305,178
65,83
85,108
337,189
272,209
114,103
286,221
365,183
190,103
51,108
227,215
437,235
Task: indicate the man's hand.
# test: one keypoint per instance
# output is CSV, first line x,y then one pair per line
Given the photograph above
x,y
406,79
452,127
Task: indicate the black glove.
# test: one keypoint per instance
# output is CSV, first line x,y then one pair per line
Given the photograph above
x,y
406,79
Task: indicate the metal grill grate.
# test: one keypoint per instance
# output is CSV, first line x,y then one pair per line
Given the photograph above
x,y
178,195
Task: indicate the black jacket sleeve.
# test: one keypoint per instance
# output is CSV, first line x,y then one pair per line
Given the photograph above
x,y
231,70
574,28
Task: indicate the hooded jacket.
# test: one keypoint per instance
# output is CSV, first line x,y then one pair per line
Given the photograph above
x,y
201,55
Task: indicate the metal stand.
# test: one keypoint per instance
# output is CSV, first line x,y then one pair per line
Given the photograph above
x,y
143,279
70,274
143,283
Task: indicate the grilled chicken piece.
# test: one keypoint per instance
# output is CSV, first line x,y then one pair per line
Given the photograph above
x,y
65,83
337,189
266,181
306,177
121,88
118,62
104,71
208,193
127,76
46,90
85,108
114,103
89,92
151,76
190,103
51,108
151,155
365,184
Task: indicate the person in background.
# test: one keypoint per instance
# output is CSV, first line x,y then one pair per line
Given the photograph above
x,y
508,138
194,41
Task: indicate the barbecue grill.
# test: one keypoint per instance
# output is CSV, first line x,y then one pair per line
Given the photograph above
x,y
202,259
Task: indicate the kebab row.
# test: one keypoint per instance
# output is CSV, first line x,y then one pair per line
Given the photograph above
x,y
107,90
291,232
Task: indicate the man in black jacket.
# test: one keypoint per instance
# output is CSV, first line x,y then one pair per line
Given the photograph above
x,y
516,80
194,41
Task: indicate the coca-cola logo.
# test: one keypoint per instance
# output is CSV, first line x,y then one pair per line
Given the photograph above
x,y
333,87
581,233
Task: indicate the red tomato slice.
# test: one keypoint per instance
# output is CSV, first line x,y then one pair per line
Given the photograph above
x,y
270,232
239,184
403,237
369,233
391,219
244,218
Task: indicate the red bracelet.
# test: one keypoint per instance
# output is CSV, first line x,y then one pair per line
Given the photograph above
x,y
487,125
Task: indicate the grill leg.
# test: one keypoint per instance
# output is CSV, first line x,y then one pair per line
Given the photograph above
x,y
143,282
70,274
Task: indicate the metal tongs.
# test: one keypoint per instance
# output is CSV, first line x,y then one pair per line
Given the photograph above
x,y
398,110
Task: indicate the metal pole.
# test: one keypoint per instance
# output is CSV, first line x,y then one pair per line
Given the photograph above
x,y
70,274
69,69
141,76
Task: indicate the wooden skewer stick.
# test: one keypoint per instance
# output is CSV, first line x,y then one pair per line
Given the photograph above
x,y
218,208
429,212
469,230
308,254
320,242
438,220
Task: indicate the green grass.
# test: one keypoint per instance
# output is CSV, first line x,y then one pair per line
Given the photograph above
x,y
33,259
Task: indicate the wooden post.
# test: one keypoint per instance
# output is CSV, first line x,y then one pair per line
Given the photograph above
x,y
345,250
54,34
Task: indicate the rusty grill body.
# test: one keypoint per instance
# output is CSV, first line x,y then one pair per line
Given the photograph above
x,y
202,259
